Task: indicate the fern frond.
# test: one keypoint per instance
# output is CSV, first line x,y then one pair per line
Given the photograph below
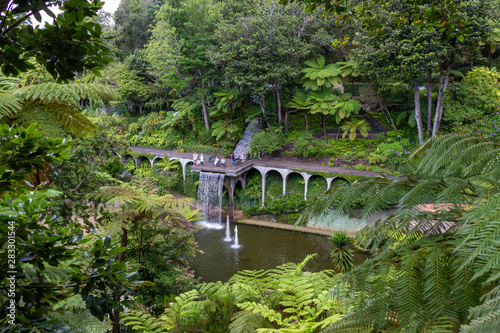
x,y
142,322
72,303
81,321
485,317
9,105
248,322
60,113
71,93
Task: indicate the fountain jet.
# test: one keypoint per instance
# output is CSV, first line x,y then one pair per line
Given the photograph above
x,y
236,245
228,232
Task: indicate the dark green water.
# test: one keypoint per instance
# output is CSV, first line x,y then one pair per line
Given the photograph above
x,y
261,248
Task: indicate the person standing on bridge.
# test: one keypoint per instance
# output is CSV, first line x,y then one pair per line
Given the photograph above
x,y
232,158
242,155
202,159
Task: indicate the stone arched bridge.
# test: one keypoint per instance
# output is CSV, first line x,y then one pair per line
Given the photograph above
x,y
237,173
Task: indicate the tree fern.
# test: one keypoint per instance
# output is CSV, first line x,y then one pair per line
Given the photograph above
x,y
142,322
248,322
9,105
81,321
445,258
53,105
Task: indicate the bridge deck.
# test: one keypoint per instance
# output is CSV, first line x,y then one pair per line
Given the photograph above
x,y
236,170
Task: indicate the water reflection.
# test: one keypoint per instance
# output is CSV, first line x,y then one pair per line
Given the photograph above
x,y
261,248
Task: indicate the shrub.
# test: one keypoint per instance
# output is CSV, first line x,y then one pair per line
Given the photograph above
x,y
287,204
350,157
268,141
375,158
360,167
477,95
307,146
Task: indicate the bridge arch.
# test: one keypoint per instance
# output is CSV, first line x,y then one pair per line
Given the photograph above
x,y
124,158
157,159
335,180
317,184
140,159
289,181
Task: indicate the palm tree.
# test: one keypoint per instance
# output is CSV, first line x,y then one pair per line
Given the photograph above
x,y
299,102
319,75
353,126
345,106
341,255
349,69
436,262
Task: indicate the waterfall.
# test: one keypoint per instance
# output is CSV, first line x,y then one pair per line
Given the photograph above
x,y
244,143
210,196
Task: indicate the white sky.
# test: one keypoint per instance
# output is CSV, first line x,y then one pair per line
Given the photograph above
x,y
110,6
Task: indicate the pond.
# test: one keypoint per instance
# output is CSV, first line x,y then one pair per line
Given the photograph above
x,y
261,248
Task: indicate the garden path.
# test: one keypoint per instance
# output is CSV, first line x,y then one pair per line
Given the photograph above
x,y
249,163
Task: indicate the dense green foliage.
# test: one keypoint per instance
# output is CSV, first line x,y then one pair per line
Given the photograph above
x,y
436,260
50,263
284,299
197,72
73,44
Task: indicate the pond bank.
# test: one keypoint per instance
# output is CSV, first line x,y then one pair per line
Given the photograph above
x,y
283,226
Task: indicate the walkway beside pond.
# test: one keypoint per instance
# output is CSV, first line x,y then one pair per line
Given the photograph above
x,y
283,226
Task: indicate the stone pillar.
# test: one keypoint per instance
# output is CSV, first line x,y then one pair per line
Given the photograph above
x,y
230,191
184,163
306,183
263,188
284,184
329,183
284,175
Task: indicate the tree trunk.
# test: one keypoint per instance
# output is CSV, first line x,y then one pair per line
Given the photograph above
x,y
123,243
262,103
324,125
278,100
116,321
429,105
440,91
140,108
387,116
418,116
182,137
305,120
205,113
440,102
287,120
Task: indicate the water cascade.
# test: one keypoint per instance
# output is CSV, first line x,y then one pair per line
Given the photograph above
x,y
210,196
244,143
228,232
235,245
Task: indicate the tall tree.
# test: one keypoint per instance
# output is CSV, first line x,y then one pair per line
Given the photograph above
x,y
177,51
132,24
263,48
